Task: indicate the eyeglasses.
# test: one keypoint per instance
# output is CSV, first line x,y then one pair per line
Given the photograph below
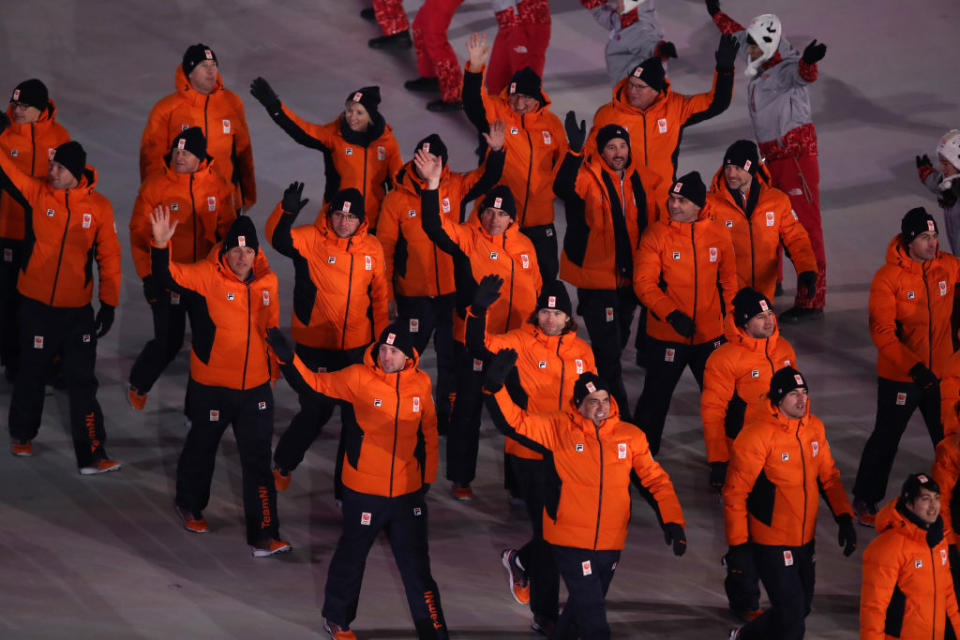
x,y
348,217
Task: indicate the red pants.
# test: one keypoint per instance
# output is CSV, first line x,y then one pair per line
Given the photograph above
x,y
390,16
518,44
435,56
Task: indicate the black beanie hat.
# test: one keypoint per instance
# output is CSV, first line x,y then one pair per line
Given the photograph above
x,y
242,233
651,71
348,201
783,382
433,144
369,97
915,222
72,156
586,384
609,132
194,55
397,336
914,482
31,92
744,154
554,295
691,187
748,303
525,82
500,197
192,140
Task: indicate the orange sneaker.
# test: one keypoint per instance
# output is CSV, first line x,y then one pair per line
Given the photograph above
x,y
100,466
281,480
136,399
519,585
748,615
337,632
192,522
269,548
462,492
21,448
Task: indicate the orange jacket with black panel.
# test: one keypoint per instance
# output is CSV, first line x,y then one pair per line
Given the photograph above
x,y
202,204
415,266
594,464
605,219
690,267
778,467
950,395
535,144
910,307
757,227
220,116
30,148
229,318
340,283
735,383
65,230
907,590
946,472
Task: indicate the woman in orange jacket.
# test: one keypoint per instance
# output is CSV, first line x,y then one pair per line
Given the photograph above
x,y
359,150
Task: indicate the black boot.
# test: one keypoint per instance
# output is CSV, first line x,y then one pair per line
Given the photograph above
x,y
439,106
422,84
396,41
368,14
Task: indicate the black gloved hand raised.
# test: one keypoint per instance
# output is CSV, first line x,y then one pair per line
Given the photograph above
x,y
718,474
814,52
807,283
487,293
681,323
104,319
150,291
923,161
673,534
498,369
264,93
922,375
575,134
848,535
278,342
726,53
292,203
713,7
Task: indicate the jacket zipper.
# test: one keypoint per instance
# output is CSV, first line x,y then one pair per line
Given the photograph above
x,y
365,149
803,463
63,244
766,352
33,146
526,198
193,206
206,124
645,163
396,423
596,536
506,326
696,279
346,311
246,352
926,286
933,574
753,267
563,371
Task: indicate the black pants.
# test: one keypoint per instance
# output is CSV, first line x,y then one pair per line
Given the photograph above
x,y
250,412
463,438
535,556
608,313
426,316
11,253
46,332
896,402
587,575
743,588
665,364
544,239
404,520
788,575
169,322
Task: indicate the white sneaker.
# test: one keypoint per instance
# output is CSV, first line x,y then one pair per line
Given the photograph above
x,y
100,466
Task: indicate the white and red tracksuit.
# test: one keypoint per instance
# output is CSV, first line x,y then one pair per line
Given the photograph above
x,y
435,55
390,16
523,34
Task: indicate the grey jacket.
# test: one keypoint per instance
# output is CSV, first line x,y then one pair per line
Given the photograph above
x,y
949,199
628,47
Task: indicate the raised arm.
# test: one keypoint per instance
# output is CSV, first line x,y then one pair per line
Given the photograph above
x,y
703,106
306,133
441,231
534,432
281,220
474,95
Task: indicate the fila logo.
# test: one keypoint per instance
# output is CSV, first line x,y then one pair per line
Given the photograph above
x,y
784,457
579,447
377,402
230,295
771,218
50,213
412,213
38,342
729,224
622,450
365,518
542,364
85,337
211,203
262,405
514,131
494,255
416,404
676,255
417,511
755,373
184,126
910,294
226,127
585,565
214,415
579,364
331,259
669,354
547,139
348,151
381,153
174,206
414,325
815,447
918,564
14,153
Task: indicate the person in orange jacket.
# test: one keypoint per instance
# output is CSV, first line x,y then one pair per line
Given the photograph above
x,y
550,359
946,472
685,275
29,141
644,104
201,100
911,301
907,590
231,373
488,243
359,150
201,202
604,226
759,218
389,462
339,303
779,465
595,454
420,276
69,226
535,145
950,395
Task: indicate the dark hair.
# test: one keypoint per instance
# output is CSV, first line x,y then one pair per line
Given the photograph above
x,y
570,327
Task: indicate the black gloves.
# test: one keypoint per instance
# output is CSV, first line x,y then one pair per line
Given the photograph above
x,y
4,121
279,344
498,369
104,319
718,474
923,376
848,535
681,323
487,293
150,291
575,134
291,199
665,50
739,557
726,53
924,161
713,7
807,280
265,95
814,52
673,534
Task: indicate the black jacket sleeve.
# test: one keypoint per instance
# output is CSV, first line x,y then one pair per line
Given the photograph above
x,y
432,226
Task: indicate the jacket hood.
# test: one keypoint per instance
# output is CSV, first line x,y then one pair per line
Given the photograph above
x,y
377,128
587,425
598,166
893,516
719,186
370,361
736,335
543,98
182,82
898,257
205,167
620,100
261,266
346,244
88,181
408,180
706,213
47,115
509,235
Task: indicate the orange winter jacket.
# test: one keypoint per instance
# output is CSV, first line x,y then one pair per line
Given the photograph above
x,y
778,467
535,144
655,132
946,471
202,204
756,228
735,382
476,254
65,230
228,318
950,395
605,219
696,264
910,307
390,436
594,465
415,266
340,282
221,117
907,591
30,147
